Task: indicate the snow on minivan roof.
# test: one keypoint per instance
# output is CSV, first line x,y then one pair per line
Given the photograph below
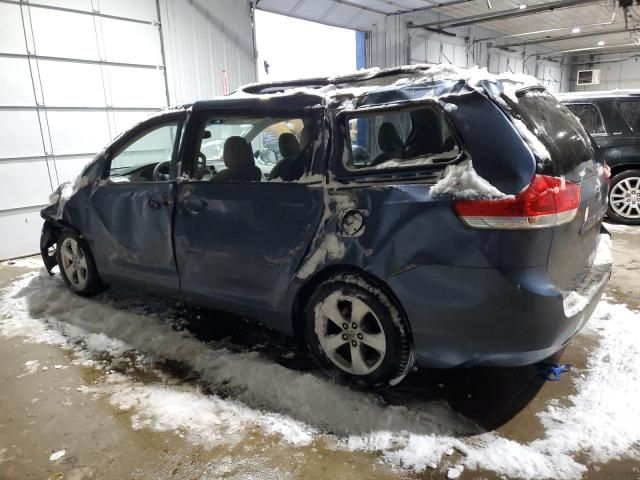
x,y
368,80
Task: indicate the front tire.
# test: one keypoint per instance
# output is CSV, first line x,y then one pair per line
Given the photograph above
x,y
76,263
355,331
624,198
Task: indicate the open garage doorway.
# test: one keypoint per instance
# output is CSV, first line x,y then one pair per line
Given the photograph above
x,y
293,48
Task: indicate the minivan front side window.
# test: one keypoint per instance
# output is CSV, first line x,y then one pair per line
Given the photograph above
x,y
255,149
147,157
397,139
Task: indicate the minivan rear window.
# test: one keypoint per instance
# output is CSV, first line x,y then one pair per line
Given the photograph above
x,y
557,128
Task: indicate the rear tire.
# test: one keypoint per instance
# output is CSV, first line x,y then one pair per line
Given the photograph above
x,y
355,332
77,267
625,190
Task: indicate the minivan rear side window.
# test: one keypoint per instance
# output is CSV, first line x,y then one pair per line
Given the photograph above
x,y
589,116
398,139
630,111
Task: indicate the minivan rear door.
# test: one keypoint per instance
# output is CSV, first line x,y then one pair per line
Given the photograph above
x,y
572,156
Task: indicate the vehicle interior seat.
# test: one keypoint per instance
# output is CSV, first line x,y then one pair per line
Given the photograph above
x,y
390,143
240,163
426,134
294,154
288,145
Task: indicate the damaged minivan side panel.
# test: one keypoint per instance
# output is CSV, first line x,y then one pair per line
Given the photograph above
x,y
108,209
413,242
63,210
373,219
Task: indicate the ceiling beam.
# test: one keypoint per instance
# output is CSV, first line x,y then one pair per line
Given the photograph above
x,y
622,48
434,6
560,38
361,7
506,14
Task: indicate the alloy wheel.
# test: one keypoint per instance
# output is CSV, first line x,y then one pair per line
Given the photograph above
x,y
74,263
625,198
350,334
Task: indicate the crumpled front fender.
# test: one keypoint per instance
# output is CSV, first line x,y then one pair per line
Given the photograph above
x,y
47,240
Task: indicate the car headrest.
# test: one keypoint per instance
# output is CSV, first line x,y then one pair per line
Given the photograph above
x,y
237,153
388,138
426,132
288,145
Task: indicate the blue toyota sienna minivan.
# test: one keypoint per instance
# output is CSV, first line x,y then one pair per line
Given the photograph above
x,y
387,217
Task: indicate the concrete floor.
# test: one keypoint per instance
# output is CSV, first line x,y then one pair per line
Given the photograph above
x,y
46,411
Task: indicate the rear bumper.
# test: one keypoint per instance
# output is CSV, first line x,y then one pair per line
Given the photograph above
x,y
472,316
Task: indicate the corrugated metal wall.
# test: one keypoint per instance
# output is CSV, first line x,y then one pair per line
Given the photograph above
x,y
392,43
617,71
74,74
209,47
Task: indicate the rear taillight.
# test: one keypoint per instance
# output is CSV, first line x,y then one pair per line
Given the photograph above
x,y
546,202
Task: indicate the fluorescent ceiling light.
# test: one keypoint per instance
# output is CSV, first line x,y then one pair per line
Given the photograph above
x,y
601,43
522,6
576,30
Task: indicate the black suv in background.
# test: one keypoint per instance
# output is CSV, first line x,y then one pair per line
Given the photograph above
x,y
613,120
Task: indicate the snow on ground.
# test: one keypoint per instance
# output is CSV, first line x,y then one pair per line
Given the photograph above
x,y
619,228
253,392
30,367
3,458
57,455
26,262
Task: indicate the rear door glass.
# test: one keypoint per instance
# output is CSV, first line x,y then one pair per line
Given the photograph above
x,y
558,129
630,111
589,117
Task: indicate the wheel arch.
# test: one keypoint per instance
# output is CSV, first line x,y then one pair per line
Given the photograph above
x,y
306,290
49,237
623,167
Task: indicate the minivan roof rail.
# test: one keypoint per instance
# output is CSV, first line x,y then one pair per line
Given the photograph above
x,y
319,82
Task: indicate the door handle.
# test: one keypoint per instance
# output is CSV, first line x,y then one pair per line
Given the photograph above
x,y
193,205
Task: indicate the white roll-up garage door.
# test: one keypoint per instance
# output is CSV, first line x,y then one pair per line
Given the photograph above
x,y
73,74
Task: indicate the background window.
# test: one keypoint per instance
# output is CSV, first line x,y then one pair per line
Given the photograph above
x,y
630,111
399,139
589,116
138,160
